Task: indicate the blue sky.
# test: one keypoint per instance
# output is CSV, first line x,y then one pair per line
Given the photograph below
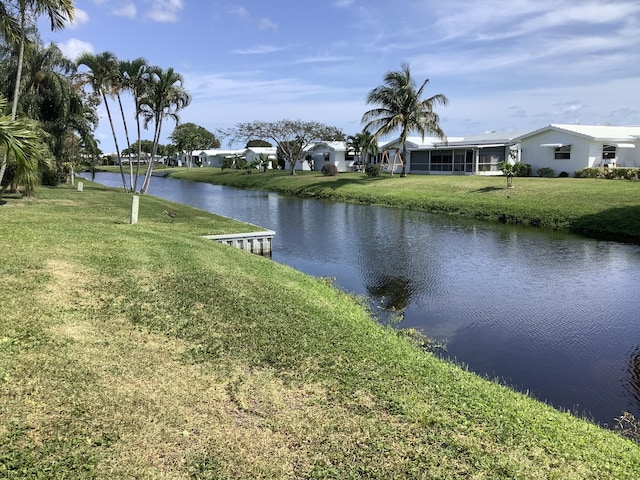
x,y
504,65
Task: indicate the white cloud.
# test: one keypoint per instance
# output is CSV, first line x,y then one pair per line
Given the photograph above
x,y
238,10
267,24
73,47
128,11
258,50
81,18
166,11
344,3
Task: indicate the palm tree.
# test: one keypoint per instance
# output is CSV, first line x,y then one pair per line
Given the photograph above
x,y
17,16
50,97
103,69
362,144
135,78
400,106
20,137
164,98
26,11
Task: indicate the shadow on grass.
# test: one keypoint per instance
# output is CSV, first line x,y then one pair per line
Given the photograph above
x,y
488,189
620,224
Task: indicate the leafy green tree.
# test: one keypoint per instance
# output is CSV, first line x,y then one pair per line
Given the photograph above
x,y
164,97
292,137
188,137
400,107
258,143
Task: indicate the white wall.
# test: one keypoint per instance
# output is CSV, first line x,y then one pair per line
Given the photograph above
x,y
582,152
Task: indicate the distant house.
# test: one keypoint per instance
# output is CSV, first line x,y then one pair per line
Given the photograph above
x,y
467,155
216,156
331,153
567,148
251,153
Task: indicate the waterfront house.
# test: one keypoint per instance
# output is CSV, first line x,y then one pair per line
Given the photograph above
x,y
465,155
216,156
252,153
567,148
331,153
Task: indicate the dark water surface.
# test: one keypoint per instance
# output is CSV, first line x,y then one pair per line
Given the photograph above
x,y
554,314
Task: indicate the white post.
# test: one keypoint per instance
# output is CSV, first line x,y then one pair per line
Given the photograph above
x,y
80,186
134,209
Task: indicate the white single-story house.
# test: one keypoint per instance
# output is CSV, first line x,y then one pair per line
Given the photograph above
x,y
216,156
567,148
471,154
251,153
331,153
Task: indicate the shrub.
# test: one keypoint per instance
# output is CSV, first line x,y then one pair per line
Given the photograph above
x,y
563,174
546,172
50,176
329,170
522,170
372,170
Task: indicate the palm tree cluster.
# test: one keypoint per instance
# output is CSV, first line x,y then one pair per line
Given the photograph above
x,y
48,97
45,108
157,94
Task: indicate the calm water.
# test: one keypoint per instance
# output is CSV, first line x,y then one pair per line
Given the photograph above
x,y
553,314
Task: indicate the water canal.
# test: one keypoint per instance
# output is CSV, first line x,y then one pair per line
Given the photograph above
x,y
553,314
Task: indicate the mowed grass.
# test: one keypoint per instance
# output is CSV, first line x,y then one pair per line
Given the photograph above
x,y
598,207
145,351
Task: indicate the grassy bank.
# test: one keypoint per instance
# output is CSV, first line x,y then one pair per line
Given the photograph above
x,y
147,352
608,208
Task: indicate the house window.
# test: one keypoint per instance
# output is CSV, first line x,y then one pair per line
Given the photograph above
x,y
563,152
489,157
608,152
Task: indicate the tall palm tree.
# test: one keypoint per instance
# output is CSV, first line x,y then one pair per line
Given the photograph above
x,y
103,68
26,11
400,106
136,79
17,17
164,98
50,96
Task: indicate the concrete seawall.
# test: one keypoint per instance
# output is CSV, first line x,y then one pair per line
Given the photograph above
x,y
255,242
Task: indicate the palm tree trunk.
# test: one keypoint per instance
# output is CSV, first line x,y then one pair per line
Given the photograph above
x,y
16,88
135,181
115,141
156,139
126,135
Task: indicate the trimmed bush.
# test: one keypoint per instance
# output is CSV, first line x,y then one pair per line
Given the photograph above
x,y
329,170
546,172
522,170
563,174
372,170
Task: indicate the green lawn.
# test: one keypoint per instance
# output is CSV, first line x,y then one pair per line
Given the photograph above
x,y
145,351
608,208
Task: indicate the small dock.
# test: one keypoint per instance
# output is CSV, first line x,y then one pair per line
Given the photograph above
x,y
254,242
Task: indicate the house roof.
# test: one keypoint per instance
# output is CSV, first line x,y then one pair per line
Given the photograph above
x,y
592,132
260,150
491,138
218,151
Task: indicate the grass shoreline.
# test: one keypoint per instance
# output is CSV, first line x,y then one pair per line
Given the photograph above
x,y
148,352
608,209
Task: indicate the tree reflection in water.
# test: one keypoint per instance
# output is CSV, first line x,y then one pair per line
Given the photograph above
x,y
393,293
